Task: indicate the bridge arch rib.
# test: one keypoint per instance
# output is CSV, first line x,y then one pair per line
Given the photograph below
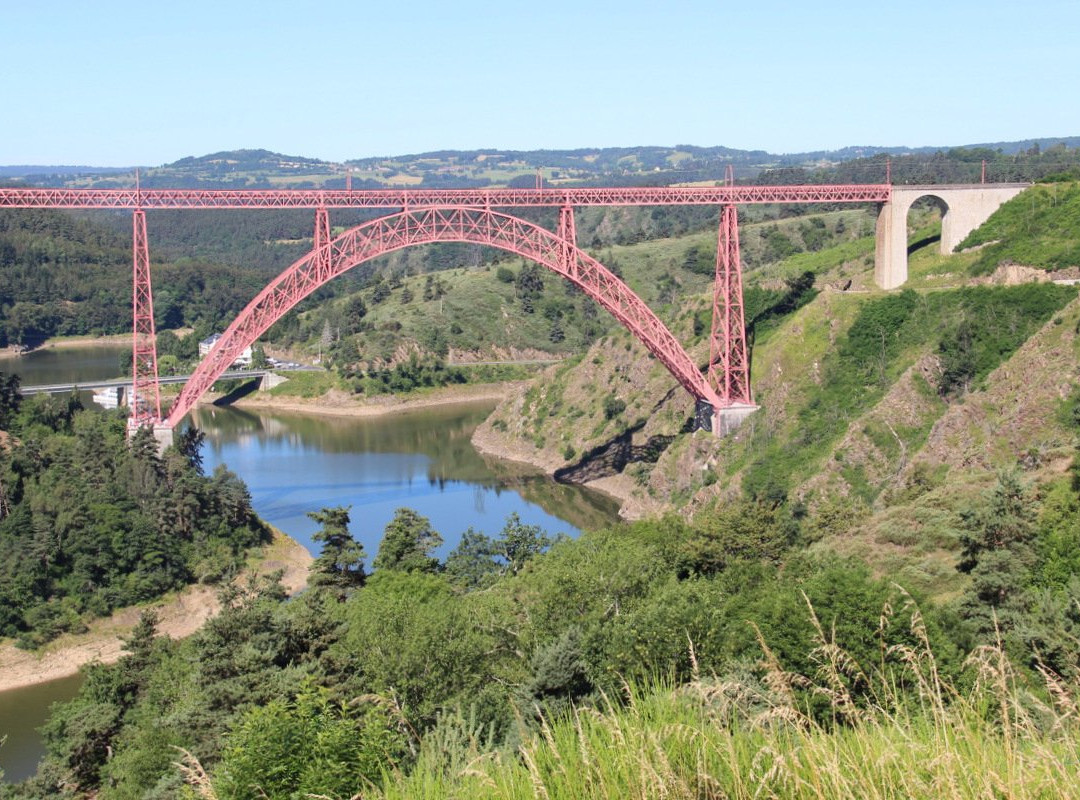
x,y
426,226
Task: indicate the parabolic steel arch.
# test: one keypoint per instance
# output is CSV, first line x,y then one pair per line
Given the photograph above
x,y
331,258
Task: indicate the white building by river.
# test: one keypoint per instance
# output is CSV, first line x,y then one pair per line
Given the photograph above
x,y
207,344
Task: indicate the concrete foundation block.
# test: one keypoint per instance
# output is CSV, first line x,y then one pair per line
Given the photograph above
x,y
728,420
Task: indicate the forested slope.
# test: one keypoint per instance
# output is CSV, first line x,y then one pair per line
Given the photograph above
x,y
885,420
66,275
871,588
656,656
89,524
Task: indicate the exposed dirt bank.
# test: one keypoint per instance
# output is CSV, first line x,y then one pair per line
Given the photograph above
x,y
508,447
68,343
342,404
179,615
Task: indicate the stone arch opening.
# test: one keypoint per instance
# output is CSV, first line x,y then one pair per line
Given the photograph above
x,y
924,221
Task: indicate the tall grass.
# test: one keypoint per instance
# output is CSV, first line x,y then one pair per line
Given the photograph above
x,y
919,736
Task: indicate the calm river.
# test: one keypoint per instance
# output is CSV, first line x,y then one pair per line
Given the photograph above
x,y
294,464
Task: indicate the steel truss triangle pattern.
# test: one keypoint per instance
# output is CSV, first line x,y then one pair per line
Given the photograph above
x,y
145,400
729,366
411,199
455,215
425,226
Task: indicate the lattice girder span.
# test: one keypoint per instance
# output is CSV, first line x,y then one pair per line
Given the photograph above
x,y
426,226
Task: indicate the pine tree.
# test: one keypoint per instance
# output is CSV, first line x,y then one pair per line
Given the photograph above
x,y
407,544
340,565
998,553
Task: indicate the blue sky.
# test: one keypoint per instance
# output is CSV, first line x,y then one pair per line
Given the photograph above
x,y
124,83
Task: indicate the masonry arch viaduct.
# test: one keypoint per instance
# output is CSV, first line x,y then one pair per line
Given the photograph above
x,y
331,258
966,208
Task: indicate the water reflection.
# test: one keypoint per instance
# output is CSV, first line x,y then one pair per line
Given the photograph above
x,y
296,463
69,364
22,711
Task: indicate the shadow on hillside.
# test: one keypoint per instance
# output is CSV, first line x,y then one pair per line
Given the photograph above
x,y
924,242
614,456
243,390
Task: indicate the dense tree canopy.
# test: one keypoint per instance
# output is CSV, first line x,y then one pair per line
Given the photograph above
x,y
89,523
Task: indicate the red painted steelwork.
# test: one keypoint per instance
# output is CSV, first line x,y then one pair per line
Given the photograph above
x,y
424,226
416,198
145,401
430,215
568,234
729,367
321,248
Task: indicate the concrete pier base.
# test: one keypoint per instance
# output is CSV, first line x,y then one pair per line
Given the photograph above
x,y
270,380
727,420
163,435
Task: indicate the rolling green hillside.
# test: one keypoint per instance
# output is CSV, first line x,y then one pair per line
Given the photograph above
x,y
882,414
641,165
869,590
1039,228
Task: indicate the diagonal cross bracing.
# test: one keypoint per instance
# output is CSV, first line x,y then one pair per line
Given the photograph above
x,y
32,197
146,398
425,226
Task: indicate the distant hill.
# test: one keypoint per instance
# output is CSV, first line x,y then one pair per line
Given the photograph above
x,y
240,160
640,165
25,170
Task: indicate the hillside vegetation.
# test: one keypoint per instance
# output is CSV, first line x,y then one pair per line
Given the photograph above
x,y
1039,228
641,165
67,275
89,524
870,590
659,656
881,413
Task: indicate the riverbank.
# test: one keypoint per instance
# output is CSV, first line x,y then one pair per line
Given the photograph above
x,y
342,404
67,343
501,446
620,488
180,615
497,442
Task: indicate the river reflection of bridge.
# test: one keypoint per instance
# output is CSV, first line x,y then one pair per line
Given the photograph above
x,y
305,461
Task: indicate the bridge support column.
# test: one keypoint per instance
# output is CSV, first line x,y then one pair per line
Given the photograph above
x,y
145,402
965,208
321,244
163,435
968,209
728,420
890,248
568,233
729,364
271,379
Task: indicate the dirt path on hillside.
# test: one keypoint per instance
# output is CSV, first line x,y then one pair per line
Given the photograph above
x,y
179,615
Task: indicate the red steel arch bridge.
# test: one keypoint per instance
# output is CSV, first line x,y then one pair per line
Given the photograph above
x,y
478,216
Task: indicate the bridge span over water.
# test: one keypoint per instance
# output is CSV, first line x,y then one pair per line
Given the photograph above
x,y
423,216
